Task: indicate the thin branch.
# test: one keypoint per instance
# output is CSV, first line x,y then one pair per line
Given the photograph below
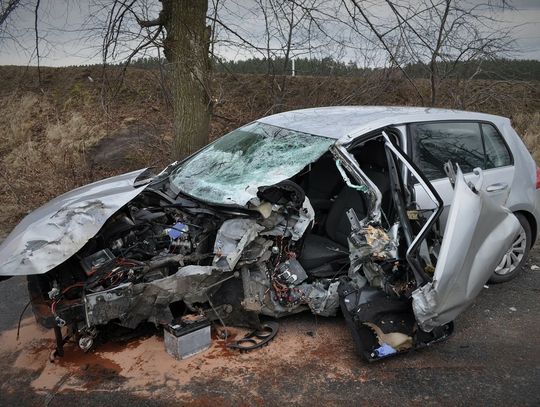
x,y
387,48
150,23
11,6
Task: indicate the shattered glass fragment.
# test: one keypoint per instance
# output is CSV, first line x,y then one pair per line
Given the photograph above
x,y
236,165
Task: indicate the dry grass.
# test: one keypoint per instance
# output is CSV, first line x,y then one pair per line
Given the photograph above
x,y
528,127
43,153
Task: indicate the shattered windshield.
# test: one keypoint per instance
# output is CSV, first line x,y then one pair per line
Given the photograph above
x,y
231,170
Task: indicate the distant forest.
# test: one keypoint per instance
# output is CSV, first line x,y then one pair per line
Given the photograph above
x,y
500,69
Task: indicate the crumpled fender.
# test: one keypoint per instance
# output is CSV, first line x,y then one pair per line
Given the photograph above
x,y
56,231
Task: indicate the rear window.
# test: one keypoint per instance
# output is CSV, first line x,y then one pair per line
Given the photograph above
x,y
497,154
470,144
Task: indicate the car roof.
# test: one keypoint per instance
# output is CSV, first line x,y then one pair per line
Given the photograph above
x,y
347,122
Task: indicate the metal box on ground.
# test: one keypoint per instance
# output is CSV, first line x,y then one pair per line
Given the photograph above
x,y
187,338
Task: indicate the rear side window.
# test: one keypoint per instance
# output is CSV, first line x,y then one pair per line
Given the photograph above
x,y
497,154
436,143
469,144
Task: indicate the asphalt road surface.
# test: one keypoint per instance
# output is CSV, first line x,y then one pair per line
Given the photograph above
x,y
493,358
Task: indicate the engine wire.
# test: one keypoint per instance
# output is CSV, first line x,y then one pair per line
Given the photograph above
x,y
21,316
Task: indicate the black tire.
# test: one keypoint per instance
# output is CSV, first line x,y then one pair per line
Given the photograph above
x,y
503,278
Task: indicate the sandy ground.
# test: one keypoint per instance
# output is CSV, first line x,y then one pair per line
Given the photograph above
x,y
492,359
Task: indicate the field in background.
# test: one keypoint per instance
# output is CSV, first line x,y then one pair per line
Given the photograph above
x,y
77,128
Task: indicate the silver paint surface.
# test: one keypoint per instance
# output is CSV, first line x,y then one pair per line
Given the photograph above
x,y
56,231
477,232
347,122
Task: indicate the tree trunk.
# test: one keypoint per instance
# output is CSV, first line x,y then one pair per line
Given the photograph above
x,y
186,49
433,80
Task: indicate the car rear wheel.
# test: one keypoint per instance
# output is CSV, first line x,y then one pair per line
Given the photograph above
x,y
514,259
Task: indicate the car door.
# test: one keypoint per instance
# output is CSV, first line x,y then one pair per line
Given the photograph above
x,y
479,228
477,231
471,144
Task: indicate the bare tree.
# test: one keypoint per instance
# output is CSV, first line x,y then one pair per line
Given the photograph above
x,y
439,34
186,47
180,28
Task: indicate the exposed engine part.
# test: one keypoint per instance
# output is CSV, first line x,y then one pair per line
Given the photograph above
x,y
291,272
96,260
257,338
132,304
285,193
322,297
233,236
289,222
87,336
85,343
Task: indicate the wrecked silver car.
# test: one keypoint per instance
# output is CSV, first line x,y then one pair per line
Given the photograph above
x,y
268,221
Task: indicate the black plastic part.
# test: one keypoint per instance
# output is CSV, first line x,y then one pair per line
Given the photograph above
x,y
374,306
257,338
330,270
439,334
284,192
389,314
231,292
319,252
183,328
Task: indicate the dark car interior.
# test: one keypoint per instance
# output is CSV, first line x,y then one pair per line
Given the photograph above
x,y
325,251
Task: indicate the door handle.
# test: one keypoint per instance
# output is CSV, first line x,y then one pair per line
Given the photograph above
x,y
499,186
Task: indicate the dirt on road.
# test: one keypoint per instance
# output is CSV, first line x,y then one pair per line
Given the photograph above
x,y
492,359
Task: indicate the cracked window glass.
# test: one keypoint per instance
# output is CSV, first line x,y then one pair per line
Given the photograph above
x,y
231,170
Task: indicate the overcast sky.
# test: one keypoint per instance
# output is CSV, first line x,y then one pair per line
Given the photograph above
x,y
68,37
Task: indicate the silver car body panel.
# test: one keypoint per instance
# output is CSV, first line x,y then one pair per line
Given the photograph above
x,y
345,123
477,231
56,231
